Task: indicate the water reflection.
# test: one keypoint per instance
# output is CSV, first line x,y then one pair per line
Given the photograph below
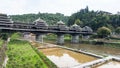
x,y
66,58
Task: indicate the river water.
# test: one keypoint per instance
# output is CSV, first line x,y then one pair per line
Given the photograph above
x,y
97,49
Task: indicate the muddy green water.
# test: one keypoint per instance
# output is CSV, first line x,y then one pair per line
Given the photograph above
x,y
65,58
97,49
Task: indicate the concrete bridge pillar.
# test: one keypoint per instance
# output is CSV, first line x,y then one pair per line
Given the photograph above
x,y
39,38
60,38
75,38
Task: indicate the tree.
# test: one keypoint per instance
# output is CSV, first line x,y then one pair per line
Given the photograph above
x,y
4,36
48,17
95,19
117,30
78,22
103,32
86,9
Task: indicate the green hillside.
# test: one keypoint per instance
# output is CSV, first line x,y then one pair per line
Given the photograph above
x,y
48,17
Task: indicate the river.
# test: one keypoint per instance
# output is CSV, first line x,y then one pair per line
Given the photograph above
x,y
97,49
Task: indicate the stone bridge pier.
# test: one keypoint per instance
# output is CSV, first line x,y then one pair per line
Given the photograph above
x,y
75,38
86,36
39,37
60,38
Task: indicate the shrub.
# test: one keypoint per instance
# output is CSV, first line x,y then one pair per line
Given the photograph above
x,y
4,36
103,32
117,30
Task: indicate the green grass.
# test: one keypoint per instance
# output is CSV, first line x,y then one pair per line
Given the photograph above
x,y
1,42
21,55
2,52
16,35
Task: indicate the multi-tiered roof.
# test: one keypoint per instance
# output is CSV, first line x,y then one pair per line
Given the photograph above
x,y
41,22
75,27
5,19
87,29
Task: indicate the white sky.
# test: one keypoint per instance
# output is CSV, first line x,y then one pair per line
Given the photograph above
x,y
66,7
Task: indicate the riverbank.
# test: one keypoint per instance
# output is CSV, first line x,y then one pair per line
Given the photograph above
x,y
2,52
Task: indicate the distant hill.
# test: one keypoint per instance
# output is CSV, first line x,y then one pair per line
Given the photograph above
x,y
48,17
95,19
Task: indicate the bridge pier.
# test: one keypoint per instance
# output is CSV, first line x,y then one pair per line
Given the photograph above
x,y
60,38
86,36
26,35
39,38
75,38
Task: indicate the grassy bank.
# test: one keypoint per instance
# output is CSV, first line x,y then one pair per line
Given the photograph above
x,y
21,55
2,53
1,43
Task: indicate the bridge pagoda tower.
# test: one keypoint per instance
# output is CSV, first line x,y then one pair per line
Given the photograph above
x,y
60,36
86,29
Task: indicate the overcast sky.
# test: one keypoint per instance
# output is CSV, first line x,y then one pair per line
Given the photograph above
x,y
66,7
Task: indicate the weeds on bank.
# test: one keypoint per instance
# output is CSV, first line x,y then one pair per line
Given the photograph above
x,y
21,55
